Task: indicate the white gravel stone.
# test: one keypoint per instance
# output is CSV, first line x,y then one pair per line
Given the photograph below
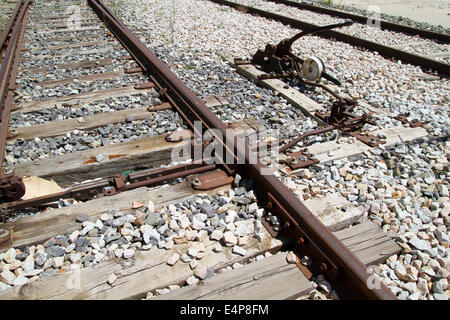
x,y
192,280
441,236
151,206
253,207
20,281
128,253
173,259
75,258
229,239
58,262
10,255
239,250
201,272
184,222
28,265
217,235
74,236
193,252
162,291
242,241
291,257
325,286
443,190
7,277
201,235
419,244
190,235
193,264
99,256
112,279
151,234
118,252
4,286
186,258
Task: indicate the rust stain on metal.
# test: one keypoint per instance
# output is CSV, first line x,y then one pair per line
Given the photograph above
x,y
301,159
133,70
306,272
412,123
110,157
145,85
90,161
212,180
162,106
115,156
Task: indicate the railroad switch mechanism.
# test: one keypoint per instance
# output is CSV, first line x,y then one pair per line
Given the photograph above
x,y
342,118
279,61
339,118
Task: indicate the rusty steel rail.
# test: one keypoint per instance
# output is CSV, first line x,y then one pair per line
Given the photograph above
x,y
8,28
363,19
425,63
11,187
309,234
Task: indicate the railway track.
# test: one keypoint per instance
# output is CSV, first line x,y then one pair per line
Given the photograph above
x,y
95,124
386,25
358,34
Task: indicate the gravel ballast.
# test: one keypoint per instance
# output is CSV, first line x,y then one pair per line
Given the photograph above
x,y
202,29
404,189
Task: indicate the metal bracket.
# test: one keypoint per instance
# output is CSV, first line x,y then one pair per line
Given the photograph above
x,y
159,107
145,85
301,159
120,185
368,139
11,133
269,228
212,180
353,129
322,115
163,91
134,70
12,187
413,123
241,61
